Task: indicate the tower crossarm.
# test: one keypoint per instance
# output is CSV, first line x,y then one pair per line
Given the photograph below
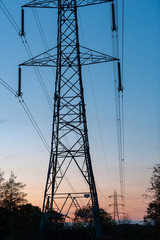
x,y
54,3
87,57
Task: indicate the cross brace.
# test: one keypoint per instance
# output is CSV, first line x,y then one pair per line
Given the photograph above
x,y
49,58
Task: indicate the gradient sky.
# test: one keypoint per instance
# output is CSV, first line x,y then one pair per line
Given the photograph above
x,y
21,149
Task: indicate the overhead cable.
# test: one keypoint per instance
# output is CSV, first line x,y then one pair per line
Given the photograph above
x,y
98,123
29,52
27,111
32,120
118,86
10,18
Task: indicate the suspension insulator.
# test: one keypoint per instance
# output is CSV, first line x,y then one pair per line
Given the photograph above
x,y
22,22
120,88
19,82
114,27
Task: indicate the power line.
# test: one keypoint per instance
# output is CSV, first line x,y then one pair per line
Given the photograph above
x,y
40,28
39,76
32,120
119,91
10,18
9,88
97,118
29,52
35,125
28,112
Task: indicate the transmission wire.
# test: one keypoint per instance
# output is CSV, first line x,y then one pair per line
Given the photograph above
x,y
40,28
28,112
98,122
34,123
10,18
123,142
28,50
23,104
7,87
119,100
39,76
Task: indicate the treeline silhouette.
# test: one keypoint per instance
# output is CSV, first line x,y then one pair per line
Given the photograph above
x,y
20,220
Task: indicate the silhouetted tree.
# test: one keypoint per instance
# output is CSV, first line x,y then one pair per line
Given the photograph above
x,y
153,213
153,209
28,209
28,216
16,215
13,195
1,187
85,215
155,183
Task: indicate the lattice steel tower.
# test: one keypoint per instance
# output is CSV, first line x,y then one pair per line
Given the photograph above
x,y
116,213
69,135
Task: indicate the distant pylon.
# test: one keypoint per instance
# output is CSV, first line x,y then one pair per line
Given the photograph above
x,y
116,204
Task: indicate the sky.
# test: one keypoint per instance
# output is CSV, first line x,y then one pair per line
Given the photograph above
x,y
21,149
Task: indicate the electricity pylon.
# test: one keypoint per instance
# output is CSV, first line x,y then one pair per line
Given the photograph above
x,y
116,204
69,134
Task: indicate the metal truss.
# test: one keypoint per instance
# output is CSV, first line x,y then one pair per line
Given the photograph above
x,y
87,57
70,142
54,3
72,199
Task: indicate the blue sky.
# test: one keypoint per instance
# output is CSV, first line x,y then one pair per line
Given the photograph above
x,y
22,150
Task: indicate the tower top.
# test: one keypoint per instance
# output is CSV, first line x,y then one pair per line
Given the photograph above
x,y
54,3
